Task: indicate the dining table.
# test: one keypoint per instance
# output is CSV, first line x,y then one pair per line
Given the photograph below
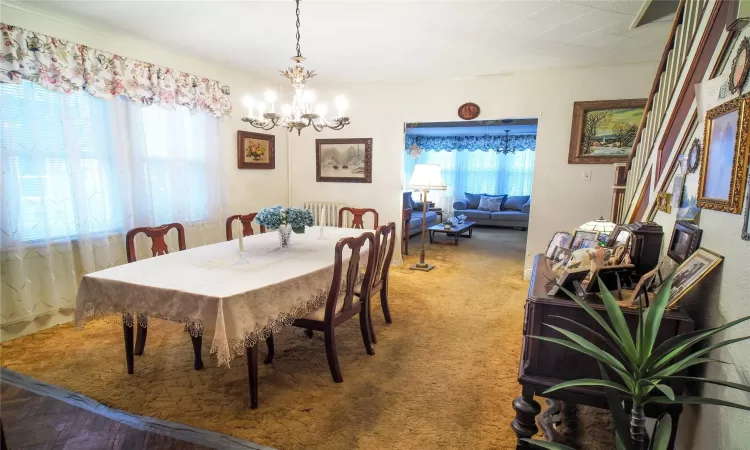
x,y
239,297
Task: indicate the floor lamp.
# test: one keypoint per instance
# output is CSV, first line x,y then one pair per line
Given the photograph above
x,y
426,178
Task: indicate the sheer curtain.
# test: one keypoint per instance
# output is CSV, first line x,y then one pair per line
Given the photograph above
x,y
78,173
477,172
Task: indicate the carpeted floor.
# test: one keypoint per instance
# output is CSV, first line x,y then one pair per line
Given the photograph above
x,y
443,376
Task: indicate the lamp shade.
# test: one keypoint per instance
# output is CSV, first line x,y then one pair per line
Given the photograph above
x,y
426,177
601,225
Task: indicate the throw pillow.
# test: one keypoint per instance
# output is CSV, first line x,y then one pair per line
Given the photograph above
x,y
515,203
472,200
504,197
491,204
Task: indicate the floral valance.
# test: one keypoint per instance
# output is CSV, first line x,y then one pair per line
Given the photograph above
x,y
500,144
64,66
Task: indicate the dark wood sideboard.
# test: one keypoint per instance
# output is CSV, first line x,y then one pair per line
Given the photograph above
x,y
545,364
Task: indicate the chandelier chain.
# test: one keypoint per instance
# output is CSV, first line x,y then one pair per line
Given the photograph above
x,y
299,52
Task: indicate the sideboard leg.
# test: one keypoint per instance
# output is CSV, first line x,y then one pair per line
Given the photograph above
x,y
524,425
675,411
197,359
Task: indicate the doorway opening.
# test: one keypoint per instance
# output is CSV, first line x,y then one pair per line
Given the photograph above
x,y
487,167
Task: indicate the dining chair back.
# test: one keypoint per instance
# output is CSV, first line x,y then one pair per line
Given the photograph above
x,y
358,214
247,222
385,242
342,304
156,234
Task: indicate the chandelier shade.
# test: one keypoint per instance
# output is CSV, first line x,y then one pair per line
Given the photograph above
x,y
302,112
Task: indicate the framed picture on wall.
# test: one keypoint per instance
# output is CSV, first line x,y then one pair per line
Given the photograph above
x,y
343,160
255,150
603,131
723,168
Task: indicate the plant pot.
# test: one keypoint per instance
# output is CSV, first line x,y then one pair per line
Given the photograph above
x,y
447,227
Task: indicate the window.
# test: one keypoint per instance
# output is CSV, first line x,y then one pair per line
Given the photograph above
x,y
56,155
76,165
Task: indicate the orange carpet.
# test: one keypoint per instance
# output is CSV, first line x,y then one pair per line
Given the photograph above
x,y
443,376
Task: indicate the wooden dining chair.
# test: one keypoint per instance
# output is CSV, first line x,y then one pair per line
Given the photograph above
x,y
385,242
341,304
158,247
247,222
358,214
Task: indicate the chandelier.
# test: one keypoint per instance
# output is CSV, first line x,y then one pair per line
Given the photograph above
x,y
301,113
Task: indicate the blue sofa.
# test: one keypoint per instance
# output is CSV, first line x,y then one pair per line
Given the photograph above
x,y
413,216
514,212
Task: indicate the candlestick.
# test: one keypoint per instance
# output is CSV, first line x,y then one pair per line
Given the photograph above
x,y
240,236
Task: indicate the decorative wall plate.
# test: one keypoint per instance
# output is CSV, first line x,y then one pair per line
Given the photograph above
x,y
468,111
740,66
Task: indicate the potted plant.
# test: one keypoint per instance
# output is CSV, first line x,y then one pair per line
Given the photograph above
x,y
642,367
285,220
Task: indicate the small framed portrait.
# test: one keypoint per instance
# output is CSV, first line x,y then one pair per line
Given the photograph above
x,y
560,239
580,236
740,66
686,238
664,202
255,150
589,243
620,235
343,160
678,184
561,256
723,169
691,271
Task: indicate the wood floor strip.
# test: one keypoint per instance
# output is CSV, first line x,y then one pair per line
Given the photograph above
x,y
149,424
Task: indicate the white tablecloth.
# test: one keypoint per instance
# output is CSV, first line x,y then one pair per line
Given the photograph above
x,y
243,301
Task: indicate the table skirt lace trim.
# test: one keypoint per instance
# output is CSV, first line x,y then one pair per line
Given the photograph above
x,y
121,317
227,350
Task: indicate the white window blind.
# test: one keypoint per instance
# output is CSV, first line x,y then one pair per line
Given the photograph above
x,y
56,157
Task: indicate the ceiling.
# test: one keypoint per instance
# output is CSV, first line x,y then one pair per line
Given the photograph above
x,y
360,41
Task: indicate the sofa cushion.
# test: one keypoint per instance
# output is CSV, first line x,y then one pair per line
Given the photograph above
x,y
526,208
472,200
474,214
510,216
515,203
487,203
406,202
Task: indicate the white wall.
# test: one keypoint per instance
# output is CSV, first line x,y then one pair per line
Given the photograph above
x,y
560,199
248,190
722,297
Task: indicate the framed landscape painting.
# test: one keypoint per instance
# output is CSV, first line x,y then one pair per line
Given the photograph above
x,y
603,131
343,160
255,150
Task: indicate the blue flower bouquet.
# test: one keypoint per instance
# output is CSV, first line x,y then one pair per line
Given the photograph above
x,y
276,217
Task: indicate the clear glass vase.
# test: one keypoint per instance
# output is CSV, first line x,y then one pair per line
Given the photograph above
x,y
285,236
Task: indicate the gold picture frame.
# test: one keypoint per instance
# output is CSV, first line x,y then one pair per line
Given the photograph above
x,y
663,202
691,272
726,126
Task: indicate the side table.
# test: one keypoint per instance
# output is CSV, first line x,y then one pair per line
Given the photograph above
x,y
438,211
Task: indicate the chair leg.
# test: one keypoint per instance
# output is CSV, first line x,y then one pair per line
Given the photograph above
x,y
309,333
384,302
369,322
269,344
364,326
140,336
197,344
333,359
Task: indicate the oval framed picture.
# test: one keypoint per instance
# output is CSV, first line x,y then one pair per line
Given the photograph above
x,y
694,156
468,111
740,66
